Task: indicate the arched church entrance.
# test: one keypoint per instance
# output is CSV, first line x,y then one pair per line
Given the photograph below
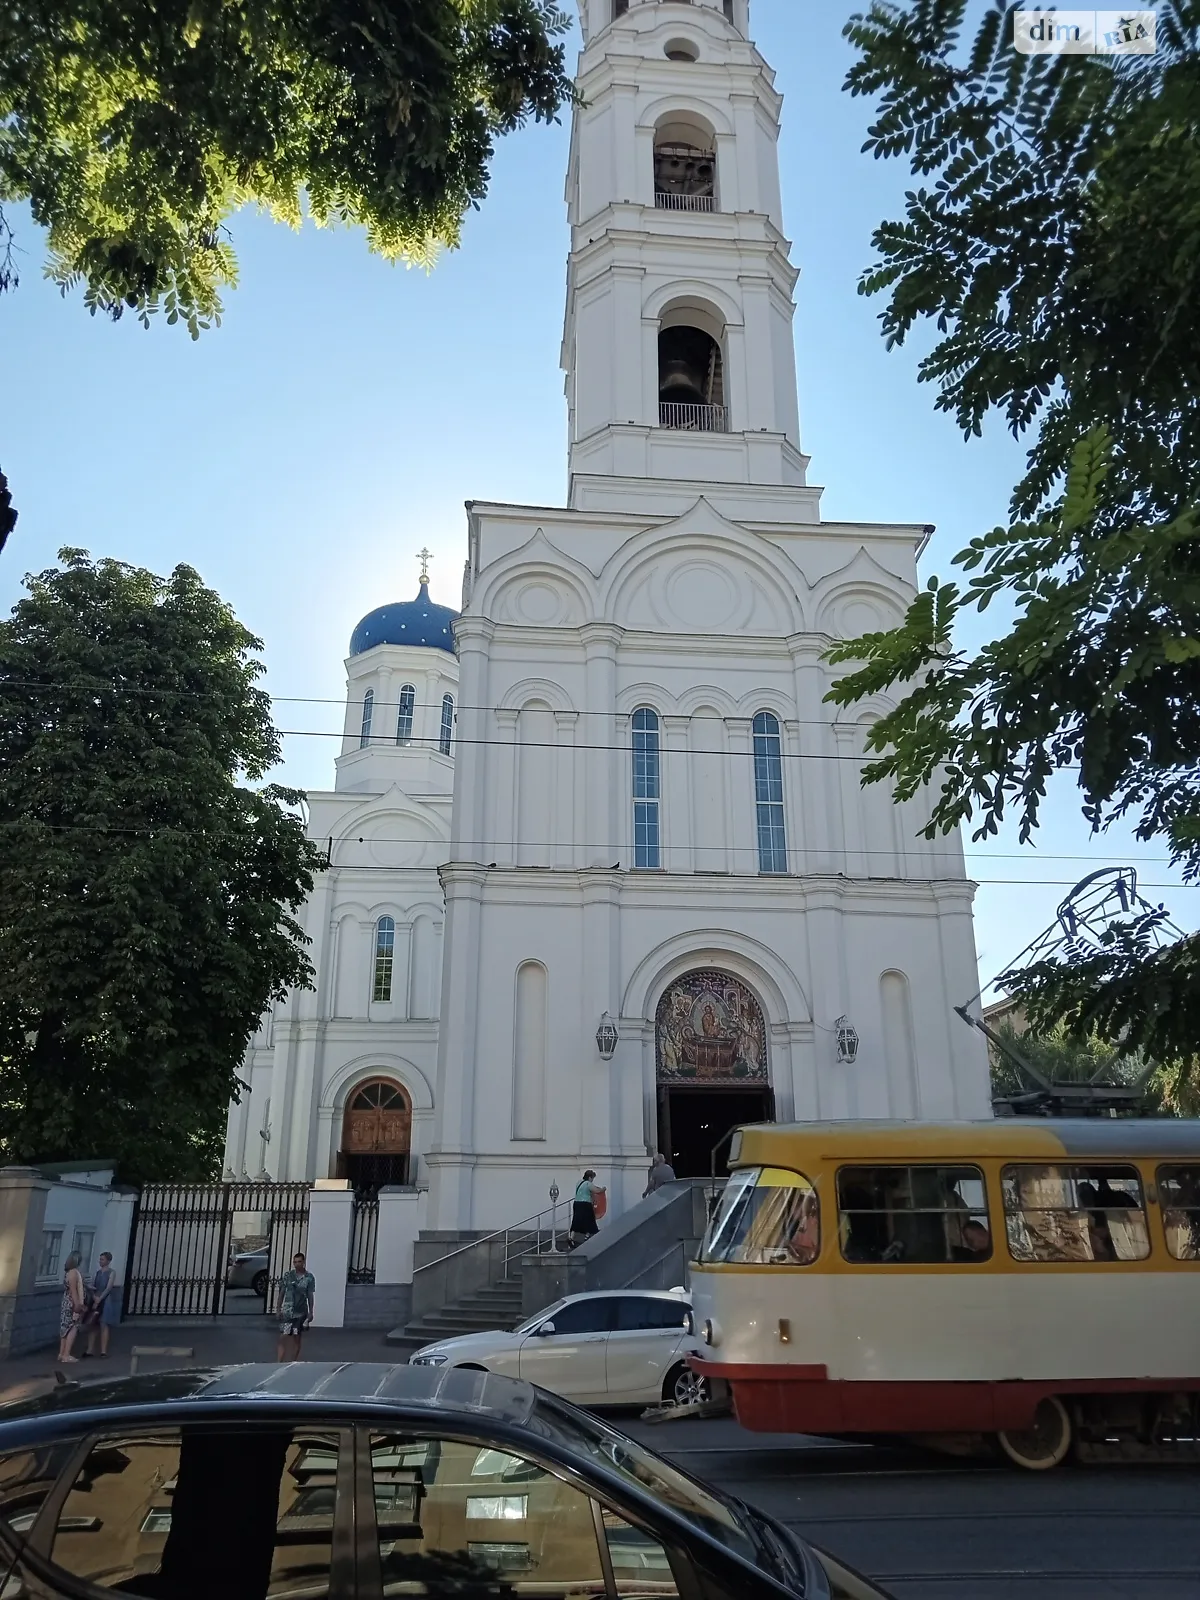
x,y
376,1135
710,1041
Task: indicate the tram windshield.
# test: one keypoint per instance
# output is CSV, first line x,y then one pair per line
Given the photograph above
x,y
767,1216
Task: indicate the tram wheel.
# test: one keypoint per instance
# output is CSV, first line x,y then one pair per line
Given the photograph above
x,y
1045,1444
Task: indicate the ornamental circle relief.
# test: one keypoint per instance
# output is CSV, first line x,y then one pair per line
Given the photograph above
x,y
709,1028
539,604
701,596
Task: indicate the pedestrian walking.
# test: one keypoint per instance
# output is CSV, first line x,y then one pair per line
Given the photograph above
x,y
589,1204
105,1310
74,1304
297,1302
661,1171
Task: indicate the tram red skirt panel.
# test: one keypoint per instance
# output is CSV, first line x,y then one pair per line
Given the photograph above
x,y
804,1399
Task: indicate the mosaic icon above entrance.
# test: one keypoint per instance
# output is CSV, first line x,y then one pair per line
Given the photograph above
x,y
710,1029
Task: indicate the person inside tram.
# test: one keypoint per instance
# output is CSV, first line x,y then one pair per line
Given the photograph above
x,y
1099,1233
864,1229
976,1242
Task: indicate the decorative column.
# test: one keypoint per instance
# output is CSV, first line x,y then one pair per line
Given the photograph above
x,y
504,801
675,804
819,779
600,640
449,1159
741,811
469,818
562,798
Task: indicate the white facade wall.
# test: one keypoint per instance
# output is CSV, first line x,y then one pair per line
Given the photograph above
x,y
385,828
691,574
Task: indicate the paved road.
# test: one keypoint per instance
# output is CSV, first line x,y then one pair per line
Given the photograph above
x,y
924,1525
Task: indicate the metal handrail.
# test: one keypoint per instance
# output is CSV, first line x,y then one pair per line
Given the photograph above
x,y
672,200
693,418
489,1238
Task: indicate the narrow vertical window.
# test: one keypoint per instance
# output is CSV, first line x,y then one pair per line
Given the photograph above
x,y
385,954
620,7
728,10
364,737
404,716
647,788
447,724
768,794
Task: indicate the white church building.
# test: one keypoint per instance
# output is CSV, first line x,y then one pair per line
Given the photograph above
x,y
602,875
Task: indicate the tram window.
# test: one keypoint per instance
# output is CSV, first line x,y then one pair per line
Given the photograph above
x,y
768,1216
1179,1196
1075,1213
926,1215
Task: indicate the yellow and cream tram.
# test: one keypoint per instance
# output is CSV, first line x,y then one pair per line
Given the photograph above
x,y
1035,1280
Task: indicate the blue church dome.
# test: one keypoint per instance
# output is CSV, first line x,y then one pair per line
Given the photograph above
x,y
416,622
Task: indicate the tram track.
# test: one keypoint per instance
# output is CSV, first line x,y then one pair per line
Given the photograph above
x,y
926,1526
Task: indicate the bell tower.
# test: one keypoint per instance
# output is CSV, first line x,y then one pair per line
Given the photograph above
x,y
678,339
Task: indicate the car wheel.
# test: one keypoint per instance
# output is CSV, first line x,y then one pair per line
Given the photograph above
x,y
259,1283
1045,1444
685,1387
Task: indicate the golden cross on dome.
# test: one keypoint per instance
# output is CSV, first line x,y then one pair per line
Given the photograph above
x,y
424,557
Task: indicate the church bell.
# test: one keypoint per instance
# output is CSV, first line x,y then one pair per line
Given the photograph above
x,y
685,367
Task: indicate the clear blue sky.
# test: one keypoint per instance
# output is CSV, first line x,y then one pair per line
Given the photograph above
x,y
301,454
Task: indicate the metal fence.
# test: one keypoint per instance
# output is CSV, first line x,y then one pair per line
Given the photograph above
x,y
693,419
185,1236
670,200
364,1238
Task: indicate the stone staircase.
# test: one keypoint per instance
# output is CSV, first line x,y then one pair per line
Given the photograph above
x,y
498,1305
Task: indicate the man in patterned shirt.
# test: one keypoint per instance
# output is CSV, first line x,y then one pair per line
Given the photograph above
x,y
297,1301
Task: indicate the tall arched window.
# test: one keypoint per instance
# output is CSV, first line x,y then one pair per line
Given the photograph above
x,y
447,734
364,737
768,794
385,955
647,789
404,716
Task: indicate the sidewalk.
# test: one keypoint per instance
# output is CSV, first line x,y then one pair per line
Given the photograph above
x,y
226,1341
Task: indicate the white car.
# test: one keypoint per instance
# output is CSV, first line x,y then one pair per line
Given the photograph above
x,y
612,1347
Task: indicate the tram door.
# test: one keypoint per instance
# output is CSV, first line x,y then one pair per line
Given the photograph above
x,y
693,1121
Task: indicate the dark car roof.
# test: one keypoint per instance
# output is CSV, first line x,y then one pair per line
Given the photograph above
x,y
350,1385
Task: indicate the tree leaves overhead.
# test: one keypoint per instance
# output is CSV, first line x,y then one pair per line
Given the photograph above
x,y
135,128
145,886
1054,246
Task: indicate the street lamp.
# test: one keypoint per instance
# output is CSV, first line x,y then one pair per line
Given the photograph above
x,y
847,1041
606,1037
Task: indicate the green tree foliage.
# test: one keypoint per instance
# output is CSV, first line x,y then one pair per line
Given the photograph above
x,y
145,886
1059,1058
8,514
1054,245
1062,1057
135,128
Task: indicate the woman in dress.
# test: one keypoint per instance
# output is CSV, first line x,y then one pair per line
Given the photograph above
x,y
583,1211
105,1311
73,1304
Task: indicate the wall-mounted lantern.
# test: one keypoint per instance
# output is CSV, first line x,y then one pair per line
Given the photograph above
x,y
606,1037
846,1035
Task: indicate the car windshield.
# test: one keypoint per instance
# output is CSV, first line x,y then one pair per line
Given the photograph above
x,y
543,1316
709,1511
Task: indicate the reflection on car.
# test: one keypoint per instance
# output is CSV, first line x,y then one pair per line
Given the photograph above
x,y
315,1480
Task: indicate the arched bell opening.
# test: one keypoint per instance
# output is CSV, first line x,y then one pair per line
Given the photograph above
x,y
685,164
691,372
376,1136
